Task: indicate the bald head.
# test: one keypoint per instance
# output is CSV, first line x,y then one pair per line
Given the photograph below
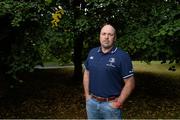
x,y
108,26
107,36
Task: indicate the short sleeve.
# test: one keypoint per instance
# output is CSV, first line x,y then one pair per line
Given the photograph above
x,y
86,64
126,66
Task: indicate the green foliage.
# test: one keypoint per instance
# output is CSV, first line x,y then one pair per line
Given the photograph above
x,y
82,24
21,11
148,30
153,33
169,29
57,46
22,28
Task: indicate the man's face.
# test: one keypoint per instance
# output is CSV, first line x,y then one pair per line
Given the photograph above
x,y
107,36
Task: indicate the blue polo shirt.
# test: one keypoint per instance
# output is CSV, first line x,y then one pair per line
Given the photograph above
x,y
107,71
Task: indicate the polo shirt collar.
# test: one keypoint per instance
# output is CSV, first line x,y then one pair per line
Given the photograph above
x,y
113,50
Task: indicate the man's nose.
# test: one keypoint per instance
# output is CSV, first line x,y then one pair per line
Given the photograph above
x,y
106,36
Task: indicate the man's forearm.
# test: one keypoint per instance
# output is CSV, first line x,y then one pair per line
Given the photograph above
x,y
127,89
86,83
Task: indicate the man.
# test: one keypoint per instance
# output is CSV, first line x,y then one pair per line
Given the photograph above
x,y
108,77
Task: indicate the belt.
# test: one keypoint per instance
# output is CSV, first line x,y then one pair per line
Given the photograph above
x,y
101,99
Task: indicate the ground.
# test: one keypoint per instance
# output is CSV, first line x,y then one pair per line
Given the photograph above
x,y
54,94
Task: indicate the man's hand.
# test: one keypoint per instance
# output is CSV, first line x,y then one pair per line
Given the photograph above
x,y
87,97
116,104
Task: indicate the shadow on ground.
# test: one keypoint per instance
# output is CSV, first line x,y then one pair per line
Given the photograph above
x,y
54,94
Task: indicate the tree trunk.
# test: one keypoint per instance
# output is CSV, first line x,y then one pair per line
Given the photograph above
x,y
78,42
6,38
77,58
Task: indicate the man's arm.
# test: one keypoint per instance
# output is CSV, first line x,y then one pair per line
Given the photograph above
x,y
86,84
126,91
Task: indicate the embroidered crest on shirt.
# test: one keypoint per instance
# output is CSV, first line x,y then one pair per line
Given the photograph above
x,y
111,61
91,57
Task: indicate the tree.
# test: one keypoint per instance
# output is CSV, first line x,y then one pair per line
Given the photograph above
x,y
153,33
23,24
148,30
145,28
81,19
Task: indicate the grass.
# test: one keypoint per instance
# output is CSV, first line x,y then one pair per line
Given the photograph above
x,y
155,67
53,94
156,94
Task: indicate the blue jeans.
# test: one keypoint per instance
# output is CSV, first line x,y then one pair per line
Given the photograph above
x,y
101,110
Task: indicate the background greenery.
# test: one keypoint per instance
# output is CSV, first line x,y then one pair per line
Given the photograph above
x,y
36,31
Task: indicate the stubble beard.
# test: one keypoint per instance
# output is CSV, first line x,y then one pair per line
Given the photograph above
x,y
106,46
